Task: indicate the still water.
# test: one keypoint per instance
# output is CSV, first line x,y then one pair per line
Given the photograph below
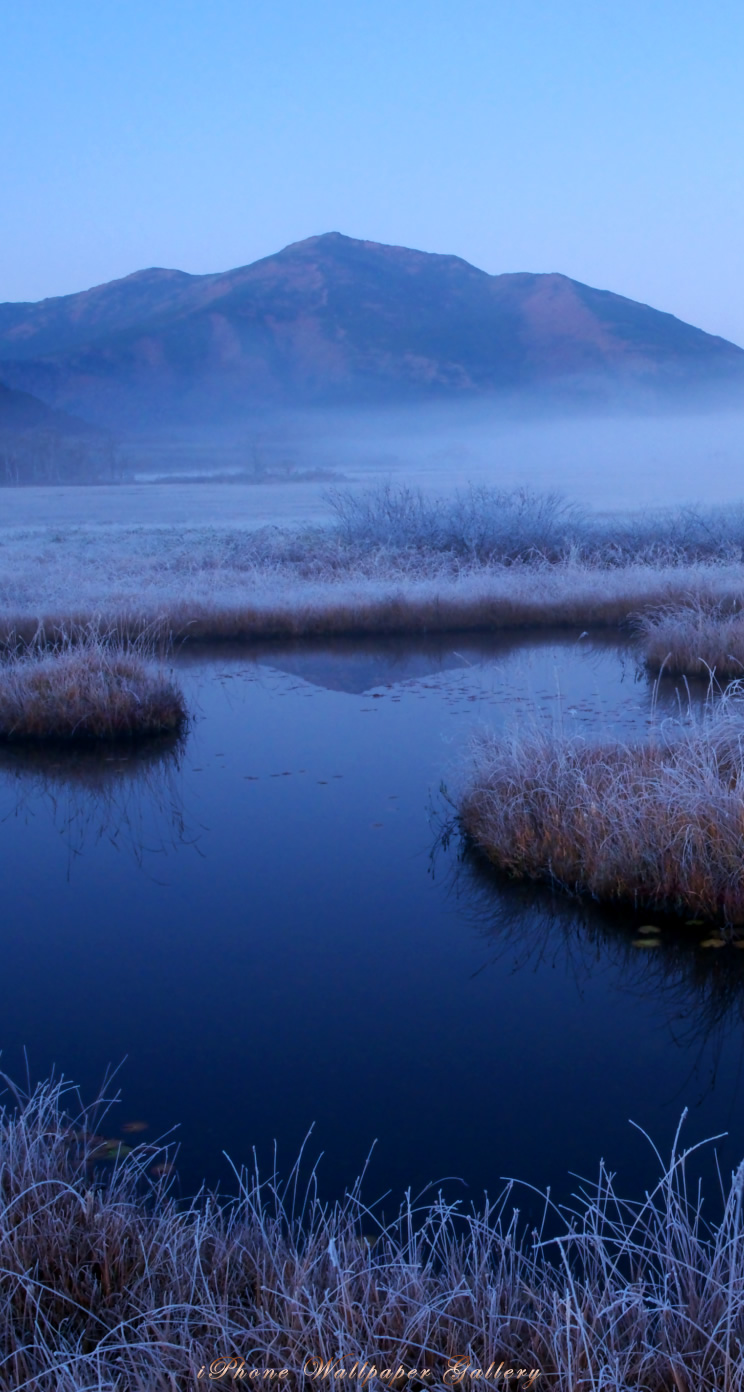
x,y
259,924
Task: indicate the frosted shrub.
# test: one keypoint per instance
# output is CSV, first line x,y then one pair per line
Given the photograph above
x,y
480,522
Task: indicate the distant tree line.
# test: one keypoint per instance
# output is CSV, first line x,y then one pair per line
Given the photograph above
x,y
48,456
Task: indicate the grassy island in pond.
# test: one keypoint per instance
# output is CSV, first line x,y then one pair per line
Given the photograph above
x,y
697,638
86,691
658,823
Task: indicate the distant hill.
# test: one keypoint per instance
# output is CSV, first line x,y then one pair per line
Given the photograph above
x,y
41,445
335,320
21,412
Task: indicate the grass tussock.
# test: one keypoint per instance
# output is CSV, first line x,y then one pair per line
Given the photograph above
x,y
108,1282
695,639
86,689
659,823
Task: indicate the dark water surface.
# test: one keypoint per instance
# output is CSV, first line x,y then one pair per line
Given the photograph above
x,y
256,922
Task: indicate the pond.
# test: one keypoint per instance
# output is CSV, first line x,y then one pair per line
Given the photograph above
x,y
261,926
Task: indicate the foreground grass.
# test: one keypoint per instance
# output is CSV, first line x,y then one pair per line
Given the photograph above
x,y
89,689
109,1283
658,823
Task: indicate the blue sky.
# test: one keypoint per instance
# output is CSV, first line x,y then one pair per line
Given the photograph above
x,y
604,140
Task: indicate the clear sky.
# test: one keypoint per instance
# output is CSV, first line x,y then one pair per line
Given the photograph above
x,y
601,138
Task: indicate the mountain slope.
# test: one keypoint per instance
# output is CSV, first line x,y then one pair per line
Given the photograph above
x,y
30,330
332,319
21,413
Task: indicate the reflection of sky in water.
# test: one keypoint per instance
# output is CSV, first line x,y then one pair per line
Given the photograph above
x,y
255,922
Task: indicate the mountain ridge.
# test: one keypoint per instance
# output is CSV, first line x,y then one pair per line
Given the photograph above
x,y
21,412
334,319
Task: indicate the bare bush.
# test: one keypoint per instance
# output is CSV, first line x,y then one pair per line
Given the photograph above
x,y
479,523
486,525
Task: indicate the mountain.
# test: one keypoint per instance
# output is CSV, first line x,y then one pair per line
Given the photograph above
x,y
21,413
336,320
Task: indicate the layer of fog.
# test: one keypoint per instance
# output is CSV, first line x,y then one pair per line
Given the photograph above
x,y
286,463
603,461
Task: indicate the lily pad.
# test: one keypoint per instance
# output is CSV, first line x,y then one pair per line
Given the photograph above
x,y
110,1150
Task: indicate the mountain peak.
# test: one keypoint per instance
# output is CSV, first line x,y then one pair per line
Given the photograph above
x,y
151,275
334,318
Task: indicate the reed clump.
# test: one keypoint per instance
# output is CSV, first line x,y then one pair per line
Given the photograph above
x,y
658,823
698,638
86,688
108,1282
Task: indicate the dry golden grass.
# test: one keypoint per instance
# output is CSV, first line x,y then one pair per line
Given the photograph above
x,y
209,608
659,824
107,1283
696,638
88,689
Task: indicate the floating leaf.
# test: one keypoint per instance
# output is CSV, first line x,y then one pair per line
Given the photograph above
x,y
694,922
646,942
649,928
110,1150
713,942
131,1126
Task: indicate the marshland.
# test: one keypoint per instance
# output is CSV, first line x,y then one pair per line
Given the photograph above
x,y
371,698
391,558
275,914
311,907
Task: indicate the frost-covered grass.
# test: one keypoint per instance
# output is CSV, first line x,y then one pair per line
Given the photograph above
x,y
698,638
84,688
205,584
108,1282
659,823
395,562
487,524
